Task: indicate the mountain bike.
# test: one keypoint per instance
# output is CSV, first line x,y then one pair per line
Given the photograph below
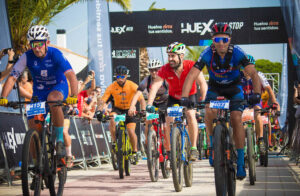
x,y
156,153
251,148
181,166
202,138
39,161
224,153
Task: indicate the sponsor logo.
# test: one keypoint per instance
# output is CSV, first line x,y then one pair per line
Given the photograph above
x,y
44,73
12,140
124,54
120,30
48,65
170,78
266,25
35,63
160,29
40,87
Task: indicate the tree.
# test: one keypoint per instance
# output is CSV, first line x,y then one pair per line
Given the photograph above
x,y
267,66
152,8
193,54
26,13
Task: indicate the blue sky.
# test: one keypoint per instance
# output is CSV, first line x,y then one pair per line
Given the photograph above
x,y
74,20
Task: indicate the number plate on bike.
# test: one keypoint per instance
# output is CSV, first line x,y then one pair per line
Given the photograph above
x,y
119,118
201,125
151,116
175,111
221,104
36,108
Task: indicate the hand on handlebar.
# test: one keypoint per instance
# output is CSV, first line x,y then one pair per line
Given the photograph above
x,y
71,100
3,101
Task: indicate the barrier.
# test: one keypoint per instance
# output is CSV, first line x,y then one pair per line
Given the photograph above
x,y
90,141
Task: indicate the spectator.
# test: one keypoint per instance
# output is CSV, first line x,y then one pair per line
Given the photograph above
x,y
9,65
89,105
85,93
25,87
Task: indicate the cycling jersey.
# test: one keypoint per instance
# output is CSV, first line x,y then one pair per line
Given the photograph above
x,y
167,73
162,93
122,95
248,84
223,72
46,72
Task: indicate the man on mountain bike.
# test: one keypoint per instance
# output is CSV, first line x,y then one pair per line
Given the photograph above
x,y
50,71
161,98
223,61
248,91
175,73
122,91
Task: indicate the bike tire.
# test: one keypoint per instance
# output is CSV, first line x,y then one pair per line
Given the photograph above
x,y
231,175
114,159
29,166
121,158
152,156
127,158
57,175
266,140
200,142
163,165
188,165
176,162
219,161
250,152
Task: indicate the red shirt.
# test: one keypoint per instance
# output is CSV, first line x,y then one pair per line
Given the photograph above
x,y
167,73
80,98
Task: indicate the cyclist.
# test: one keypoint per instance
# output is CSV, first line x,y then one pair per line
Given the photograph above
x,y
175,72
161,98
248,91
122,91
223,61
50,71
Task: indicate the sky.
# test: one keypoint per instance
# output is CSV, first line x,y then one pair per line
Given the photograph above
x,y
74,21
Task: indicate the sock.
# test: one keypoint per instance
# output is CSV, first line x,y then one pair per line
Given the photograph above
x,y
68,151
240,161
211,140
59,134
193,148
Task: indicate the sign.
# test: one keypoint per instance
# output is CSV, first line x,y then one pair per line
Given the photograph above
x,y
160,28
36,108
222,104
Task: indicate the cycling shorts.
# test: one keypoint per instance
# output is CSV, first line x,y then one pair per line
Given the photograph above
x,y
43,95
232,93
172,100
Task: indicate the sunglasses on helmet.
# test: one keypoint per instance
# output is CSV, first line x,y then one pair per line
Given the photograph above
x,y
218,39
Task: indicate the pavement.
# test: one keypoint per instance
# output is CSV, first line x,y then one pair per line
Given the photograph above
x,y
280,178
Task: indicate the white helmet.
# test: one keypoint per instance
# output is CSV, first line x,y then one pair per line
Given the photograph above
x,y
38,33
176,47
155,63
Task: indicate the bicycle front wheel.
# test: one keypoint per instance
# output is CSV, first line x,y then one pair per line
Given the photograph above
x,y
219,161
128,155
188,165
30,174
266,140
176,161
200,143
152,156
250,152
120,157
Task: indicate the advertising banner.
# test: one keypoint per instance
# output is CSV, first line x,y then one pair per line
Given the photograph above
x,y
100,135
76,148
159,28
99,42
13,135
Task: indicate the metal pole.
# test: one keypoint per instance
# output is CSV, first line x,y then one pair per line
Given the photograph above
x,y
106,142
6,164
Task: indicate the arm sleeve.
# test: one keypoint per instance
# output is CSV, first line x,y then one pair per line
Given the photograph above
x,y
143,84
200,63
19,66
263,80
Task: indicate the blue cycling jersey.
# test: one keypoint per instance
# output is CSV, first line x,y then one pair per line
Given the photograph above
x,y
46,72
219,72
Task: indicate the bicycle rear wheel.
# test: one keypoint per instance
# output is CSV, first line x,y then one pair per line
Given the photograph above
x,y
176,162
165,172
30,174
266,140
230,172
219,161
114,159
200,143
152,156
188,165
57,175
121,158
250,152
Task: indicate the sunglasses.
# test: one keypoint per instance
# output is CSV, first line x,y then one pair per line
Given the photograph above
x,y
38,45
120,77
153,70
218,39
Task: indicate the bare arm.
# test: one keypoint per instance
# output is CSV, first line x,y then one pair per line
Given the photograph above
x,y
24,93
73,82
142,102
134,100
154,88
296,100
251,71
203,86
190,78
9,66
272,96
9,84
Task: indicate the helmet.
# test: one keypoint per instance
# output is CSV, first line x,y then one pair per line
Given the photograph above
x,y
154,64
251,59
38,33
221,28
121,70
176,47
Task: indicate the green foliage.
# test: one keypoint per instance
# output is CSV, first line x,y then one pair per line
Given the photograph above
x,y
193,54
267,66
152,8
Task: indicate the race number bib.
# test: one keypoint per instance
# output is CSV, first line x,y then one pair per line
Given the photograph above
x,y
36,108
175,111
222,104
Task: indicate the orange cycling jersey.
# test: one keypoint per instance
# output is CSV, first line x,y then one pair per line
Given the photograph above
x,y
122,95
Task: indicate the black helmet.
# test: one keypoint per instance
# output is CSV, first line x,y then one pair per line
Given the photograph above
x,y
221,28
121,70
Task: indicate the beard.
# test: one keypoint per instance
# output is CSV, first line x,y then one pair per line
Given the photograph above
x,y
174,65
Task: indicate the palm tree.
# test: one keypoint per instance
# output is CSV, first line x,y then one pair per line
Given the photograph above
x,y
26,13
193,54
152,8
